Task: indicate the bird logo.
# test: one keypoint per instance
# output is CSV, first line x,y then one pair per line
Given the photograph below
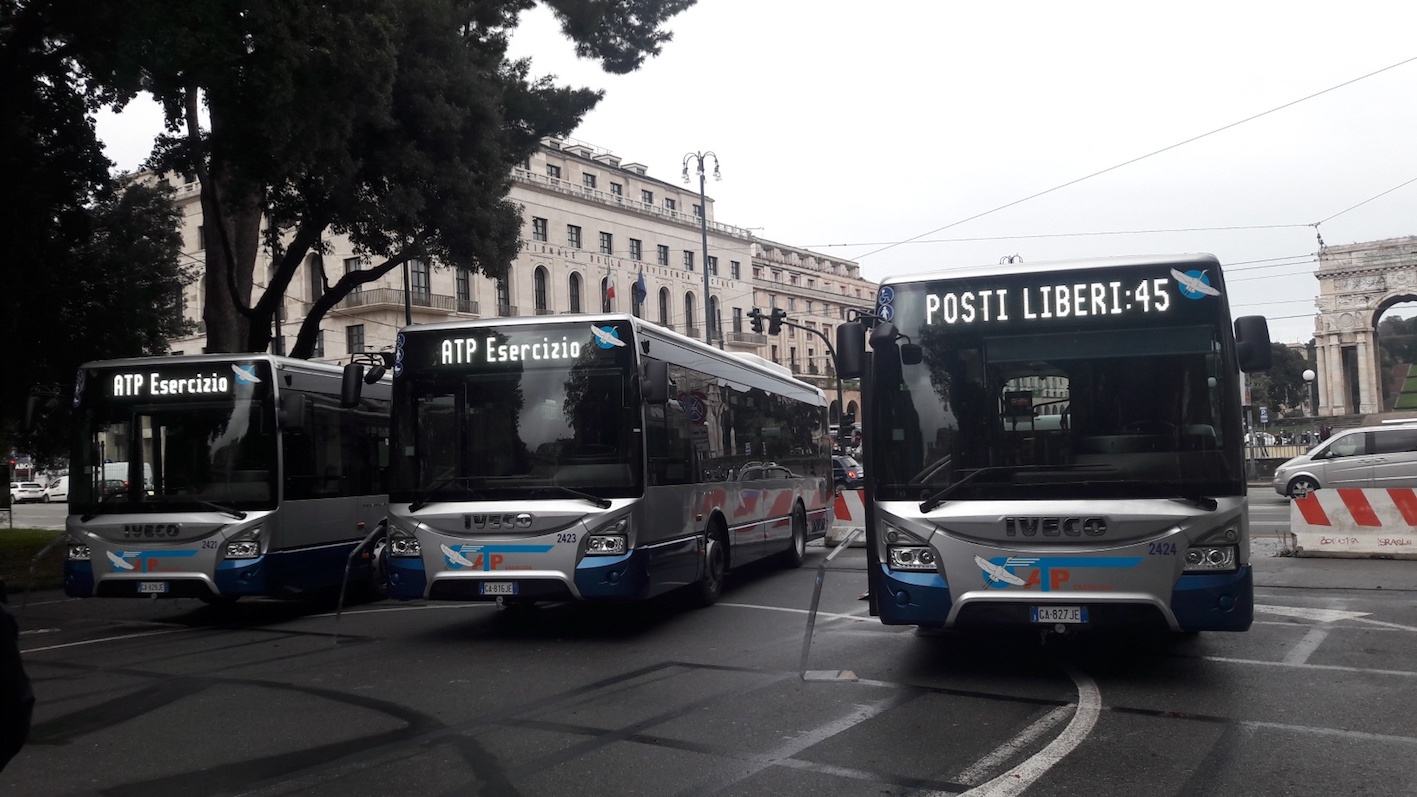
x,y
606,337
245,374
119,562
1194,284
994,574
454,557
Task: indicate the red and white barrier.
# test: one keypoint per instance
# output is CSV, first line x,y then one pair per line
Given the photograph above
x,y
850,511
1356,523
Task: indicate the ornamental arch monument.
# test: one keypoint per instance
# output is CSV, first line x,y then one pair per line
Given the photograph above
x,y
1357,284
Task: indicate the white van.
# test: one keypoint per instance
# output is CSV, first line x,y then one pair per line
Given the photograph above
x,y
1369,456
57,490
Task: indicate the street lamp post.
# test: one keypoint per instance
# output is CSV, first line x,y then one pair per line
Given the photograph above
x,y
698,157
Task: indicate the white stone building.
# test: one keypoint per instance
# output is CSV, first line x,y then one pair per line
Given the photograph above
x,y
590,221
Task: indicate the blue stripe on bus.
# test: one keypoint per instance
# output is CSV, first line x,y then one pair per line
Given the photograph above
x,y
78,579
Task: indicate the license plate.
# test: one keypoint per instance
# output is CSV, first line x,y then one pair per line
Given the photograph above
x,y
151,587
1058,614
499,588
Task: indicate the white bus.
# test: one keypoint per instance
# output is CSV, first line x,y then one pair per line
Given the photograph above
x,y
1058,446
221,476
594,457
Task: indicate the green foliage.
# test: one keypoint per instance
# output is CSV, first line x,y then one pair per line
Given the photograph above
x,y
1282,386
18,548
1397,341
91,270
394,122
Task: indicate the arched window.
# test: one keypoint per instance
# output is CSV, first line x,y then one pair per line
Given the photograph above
x,y
539,279
664,307
689,315
716,326
575,292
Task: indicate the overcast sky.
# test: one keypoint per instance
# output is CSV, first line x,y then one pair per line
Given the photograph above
x,y
847,127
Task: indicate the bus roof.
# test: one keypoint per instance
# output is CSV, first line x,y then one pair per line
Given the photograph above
x,y
1198,260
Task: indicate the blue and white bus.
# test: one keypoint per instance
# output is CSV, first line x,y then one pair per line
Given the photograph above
x,y
594,457
1058,446
222,476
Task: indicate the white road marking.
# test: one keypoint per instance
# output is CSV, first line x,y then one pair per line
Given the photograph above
x,y
855,617
1016,780
985,765
1300,653
1321,615
106,639
1327,667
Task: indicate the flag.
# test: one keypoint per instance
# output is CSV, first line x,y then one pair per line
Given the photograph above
x,y
609,284
640,291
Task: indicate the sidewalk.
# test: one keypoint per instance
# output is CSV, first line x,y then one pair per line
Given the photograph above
x,y
1325,573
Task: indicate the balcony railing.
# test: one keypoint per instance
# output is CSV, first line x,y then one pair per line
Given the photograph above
x,y
750,338
468,306
370,297
507,310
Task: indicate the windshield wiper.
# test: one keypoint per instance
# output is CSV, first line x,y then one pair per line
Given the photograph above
x,y
426,495
93,513
1203,501
225,510
938,498
603,503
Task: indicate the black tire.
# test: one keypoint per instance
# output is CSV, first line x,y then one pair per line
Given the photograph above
x,y
44,499
794,555
1301,486
708,589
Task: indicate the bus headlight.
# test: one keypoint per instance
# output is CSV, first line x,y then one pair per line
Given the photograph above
x,y
403,544
246,545
78,552
911,557
1211,558
611,539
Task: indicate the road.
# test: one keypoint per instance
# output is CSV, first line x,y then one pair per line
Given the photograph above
x,y
274,698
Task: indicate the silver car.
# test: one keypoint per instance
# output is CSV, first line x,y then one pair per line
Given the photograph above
x,y
1369,456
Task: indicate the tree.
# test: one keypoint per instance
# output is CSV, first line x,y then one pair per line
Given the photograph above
x,y
92,268
394,122
1282,387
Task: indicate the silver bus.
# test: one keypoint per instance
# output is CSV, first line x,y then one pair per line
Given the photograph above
x,y
594,457
1057,446
222,476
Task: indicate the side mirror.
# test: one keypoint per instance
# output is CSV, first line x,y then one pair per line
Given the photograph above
x,y
352,386
654,385
291,415
1252,347
850,349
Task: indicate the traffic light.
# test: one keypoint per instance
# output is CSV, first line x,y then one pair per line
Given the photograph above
x,y
775,323
757,320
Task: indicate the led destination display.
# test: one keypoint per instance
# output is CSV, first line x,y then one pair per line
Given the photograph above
x,y
213,379
1075,297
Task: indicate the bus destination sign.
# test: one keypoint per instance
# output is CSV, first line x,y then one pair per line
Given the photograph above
x,y
200,381
1053,296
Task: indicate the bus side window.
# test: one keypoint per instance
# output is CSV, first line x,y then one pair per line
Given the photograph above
x,y
669,443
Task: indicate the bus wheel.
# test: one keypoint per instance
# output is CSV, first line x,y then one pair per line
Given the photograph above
x,y
708,589
793,556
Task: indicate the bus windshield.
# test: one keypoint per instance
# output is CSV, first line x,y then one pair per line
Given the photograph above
x,y
562,425
141,451
1055,411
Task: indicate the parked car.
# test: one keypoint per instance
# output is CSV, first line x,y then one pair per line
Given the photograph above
x,y
847,473
1369,456
57,490
23,492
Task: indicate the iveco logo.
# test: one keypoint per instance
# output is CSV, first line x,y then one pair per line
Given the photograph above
x,y
1055,526
149,530
521,520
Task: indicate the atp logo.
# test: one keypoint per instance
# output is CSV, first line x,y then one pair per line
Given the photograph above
x,y
484,557
1045,574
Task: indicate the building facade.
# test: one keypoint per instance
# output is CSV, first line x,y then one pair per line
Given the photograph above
x,y
594,227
